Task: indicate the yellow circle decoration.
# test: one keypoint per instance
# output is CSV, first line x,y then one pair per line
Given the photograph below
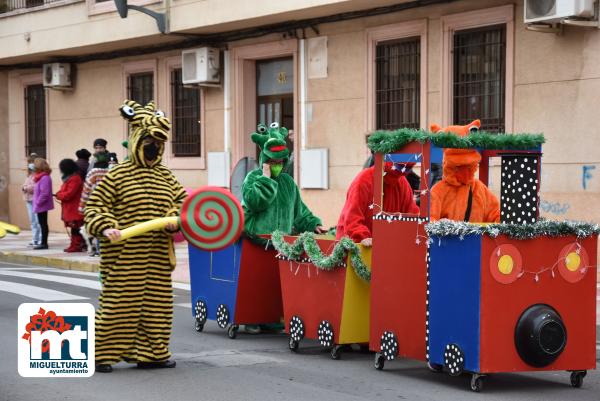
x,y
573,261
505,264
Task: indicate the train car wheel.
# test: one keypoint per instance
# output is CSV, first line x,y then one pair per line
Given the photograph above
x,y
577,378
389,345
379,361
454,360
296,328
232,331
222,316
477,382
199,315
434,367
293,344
336,352
325,334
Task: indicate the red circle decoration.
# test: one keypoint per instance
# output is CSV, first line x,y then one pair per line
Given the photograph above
x,y
573,276
511,251
211,218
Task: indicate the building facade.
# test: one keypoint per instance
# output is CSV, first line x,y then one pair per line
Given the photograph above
x,y
332,71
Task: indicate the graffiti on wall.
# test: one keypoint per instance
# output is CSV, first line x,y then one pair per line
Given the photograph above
x,y
554,207
586,174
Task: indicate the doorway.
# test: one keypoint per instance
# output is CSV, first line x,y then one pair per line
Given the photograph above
x,y
275,96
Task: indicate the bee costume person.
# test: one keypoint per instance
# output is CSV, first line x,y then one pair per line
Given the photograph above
x,y
135,314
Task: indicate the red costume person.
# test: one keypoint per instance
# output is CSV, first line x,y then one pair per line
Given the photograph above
x,y
356,219
450,197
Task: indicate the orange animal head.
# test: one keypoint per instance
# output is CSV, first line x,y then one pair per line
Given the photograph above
x,y
459,165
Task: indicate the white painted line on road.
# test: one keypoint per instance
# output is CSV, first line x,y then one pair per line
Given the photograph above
x,y
39,293
93,284
22,268
184,305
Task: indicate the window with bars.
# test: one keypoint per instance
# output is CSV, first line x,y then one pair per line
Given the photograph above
x,y
398,76
141,87
35,120
186,139
479,73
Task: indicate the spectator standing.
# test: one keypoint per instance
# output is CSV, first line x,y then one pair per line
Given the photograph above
x,y
92,179
100,147
42,198
70,194
27,188
83,161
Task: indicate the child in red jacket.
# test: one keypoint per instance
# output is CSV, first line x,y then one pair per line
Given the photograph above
x,y
69,195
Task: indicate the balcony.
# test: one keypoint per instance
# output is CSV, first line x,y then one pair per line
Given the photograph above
x,y
12,7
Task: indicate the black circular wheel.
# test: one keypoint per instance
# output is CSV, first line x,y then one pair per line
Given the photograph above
x,y
389,345
325,334
577,378
540,335
336,352
200,314
454,360
434,367
379,361
296,327
293,344
476,382
198,325
222,316
232,331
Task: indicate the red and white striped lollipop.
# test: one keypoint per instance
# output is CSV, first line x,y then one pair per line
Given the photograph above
x,y
211,218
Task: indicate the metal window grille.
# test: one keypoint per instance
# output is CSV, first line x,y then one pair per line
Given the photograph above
x,y
186,118
35,118
479,70
398,69
141,87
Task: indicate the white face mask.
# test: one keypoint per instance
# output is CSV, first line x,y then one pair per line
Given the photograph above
x,y
31,166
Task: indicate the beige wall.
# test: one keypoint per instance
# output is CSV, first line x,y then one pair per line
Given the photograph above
x,y
556,87
4,153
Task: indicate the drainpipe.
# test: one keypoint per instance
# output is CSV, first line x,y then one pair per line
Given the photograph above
x,y
303,94
226,101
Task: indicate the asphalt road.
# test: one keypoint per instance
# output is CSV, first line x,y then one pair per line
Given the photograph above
x,y
210,366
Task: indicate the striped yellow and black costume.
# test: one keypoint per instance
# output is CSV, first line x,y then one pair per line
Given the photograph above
x,y
134,318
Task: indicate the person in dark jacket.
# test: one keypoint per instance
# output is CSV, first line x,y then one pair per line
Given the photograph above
x,y
70,195
83,161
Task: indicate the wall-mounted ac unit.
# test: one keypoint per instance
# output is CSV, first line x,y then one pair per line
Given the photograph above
x,y
201,66
57,75
550,11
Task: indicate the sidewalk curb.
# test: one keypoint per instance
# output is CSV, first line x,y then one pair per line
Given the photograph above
x,y
15,257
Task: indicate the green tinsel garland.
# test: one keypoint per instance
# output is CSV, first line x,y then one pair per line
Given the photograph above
x,y
391,141
542,228
306,243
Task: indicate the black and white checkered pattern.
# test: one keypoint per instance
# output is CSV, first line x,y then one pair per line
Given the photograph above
x,y
296,328
222,316
389,345
454,360
325,333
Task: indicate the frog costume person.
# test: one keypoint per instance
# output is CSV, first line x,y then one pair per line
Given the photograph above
x,y
135,313
270,198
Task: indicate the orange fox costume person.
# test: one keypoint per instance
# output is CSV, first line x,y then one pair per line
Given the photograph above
x,y
450,196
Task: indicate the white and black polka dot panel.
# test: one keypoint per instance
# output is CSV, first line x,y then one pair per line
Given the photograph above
x,y
222,316
454,360
519,191
200,311
389,345
325,333
296,328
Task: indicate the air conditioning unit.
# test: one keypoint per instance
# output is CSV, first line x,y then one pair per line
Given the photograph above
x,y
57,75
551,11
201,66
